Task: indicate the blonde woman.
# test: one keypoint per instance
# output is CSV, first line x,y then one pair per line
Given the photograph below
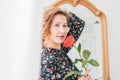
x,y
60,31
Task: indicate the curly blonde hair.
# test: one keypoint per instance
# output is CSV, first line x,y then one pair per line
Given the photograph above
x,y
48,18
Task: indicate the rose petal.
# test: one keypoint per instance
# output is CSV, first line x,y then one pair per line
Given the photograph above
x,y
69,41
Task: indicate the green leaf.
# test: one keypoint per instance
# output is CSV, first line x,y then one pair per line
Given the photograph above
x,y
81,60
84,63
69,74
79,48
86,54
78,72
73,72
77,60
93,62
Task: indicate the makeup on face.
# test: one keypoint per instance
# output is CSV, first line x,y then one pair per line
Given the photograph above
x,y
59,28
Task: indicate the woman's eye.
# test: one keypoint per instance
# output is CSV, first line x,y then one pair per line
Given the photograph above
x,y
56,25
65,26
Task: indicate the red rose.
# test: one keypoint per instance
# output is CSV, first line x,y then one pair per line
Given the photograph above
x,y
69,41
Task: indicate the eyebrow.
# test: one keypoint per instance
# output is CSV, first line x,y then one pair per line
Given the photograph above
x,y
59,22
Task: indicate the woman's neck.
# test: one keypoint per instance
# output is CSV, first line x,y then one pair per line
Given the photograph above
x,y
53,45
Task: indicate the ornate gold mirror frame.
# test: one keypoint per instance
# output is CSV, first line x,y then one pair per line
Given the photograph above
x,y
102,17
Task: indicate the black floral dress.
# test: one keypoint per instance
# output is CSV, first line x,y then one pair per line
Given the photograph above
x,y
55,64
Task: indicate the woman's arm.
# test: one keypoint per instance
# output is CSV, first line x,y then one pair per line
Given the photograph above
x,y
76,26
48,67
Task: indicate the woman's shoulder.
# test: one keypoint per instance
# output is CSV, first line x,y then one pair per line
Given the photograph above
x,y
50,51
44,54
47,54
44,51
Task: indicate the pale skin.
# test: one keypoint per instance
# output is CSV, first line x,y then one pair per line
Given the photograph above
x,y
86,76
58,33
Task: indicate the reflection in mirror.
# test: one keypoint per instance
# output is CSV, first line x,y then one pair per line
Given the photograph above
x,y
90,38
93,37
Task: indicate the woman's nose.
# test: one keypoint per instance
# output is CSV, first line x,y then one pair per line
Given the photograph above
x,y
62,30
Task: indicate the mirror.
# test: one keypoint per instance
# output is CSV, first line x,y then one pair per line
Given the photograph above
x,y
90,38
93,37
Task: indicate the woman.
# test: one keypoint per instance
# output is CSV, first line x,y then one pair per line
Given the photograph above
x,y
60,31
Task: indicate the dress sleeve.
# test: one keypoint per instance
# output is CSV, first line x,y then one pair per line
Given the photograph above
x,y
48,67
76,26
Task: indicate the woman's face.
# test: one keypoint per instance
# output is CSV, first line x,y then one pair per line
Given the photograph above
x,y
58,29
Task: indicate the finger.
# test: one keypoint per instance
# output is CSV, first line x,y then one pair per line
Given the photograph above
x,y
88,77
88,71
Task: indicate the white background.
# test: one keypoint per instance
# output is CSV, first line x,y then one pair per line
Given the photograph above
x,y
20,37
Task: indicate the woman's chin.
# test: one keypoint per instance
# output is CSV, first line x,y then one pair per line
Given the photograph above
x,y
60,41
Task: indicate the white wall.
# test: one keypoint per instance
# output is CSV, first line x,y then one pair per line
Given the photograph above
x,y
20,39
20,43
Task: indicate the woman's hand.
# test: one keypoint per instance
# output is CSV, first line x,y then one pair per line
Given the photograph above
x,y
85,76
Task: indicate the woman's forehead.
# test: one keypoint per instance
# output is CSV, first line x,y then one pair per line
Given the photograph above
x,y
59,18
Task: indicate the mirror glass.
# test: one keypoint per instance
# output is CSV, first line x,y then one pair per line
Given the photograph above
x,y
90,38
